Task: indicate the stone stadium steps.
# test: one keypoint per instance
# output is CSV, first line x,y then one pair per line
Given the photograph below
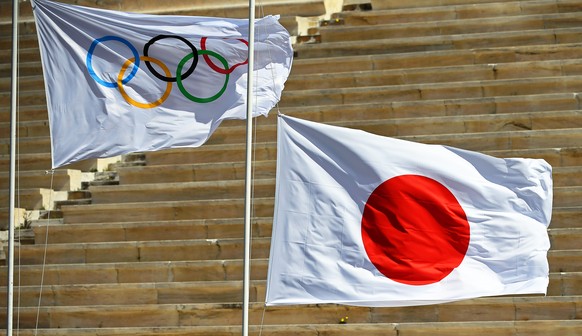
x,y
155,7
563,176
504,140
491,142
42,162
26,97
456,12
187,249
28,82
193,172
500,328
25,113
563,219
391,127
564,245
566,218
147,271
403,127
563,234
227,8
140,251
563,263
394,4
25,67
432,91
561,231
20,217
567,196
451,27
86,232
26,40
565,260
62,179
557,157
434,108
35,198
562,258
471,124
567,176
565,238
30,57
442,42
437,58
27,161
147,293
221,190
223,314
180,191
162,211
27,145
26,129
426,75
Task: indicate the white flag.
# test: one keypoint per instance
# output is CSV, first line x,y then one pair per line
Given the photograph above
x,y
121,82
366,220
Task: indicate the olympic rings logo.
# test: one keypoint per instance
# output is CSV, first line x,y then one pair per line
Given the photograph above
x,y
135,62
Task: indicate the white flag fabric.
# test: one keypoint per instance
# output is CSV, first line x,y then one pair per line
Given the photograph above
x,y
121,82
366,220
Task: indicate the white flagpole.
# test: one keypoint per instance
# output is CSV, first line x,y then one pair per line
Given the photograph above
x,y
14,86
248,170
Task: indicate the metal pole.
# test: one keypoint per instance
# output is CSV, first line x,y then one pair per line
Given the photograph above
x,y
248,170
11,216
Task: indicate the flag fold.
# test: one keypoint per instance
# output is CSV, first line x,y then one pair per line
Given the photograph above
x,y
366,220
121,82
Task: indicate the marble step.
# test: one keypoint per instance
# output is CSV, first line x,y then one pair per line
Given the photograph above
x,y
393,4
561,284
535,141
456,11
212,314
441,42
334,328
505,23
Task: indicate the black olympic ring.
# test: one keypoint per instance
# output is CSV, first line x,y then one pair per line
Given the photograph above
x,y
190,70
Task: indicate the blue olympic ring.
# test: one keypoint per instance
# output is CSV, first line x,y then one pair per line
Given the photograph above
x,y
90,60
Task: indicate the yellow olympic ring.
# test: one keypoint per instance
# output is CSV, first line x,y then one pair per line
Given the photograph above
x,y
131,100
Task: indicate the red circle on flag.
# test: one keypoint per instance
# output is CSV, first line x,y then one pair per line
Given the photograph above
x,y
414,230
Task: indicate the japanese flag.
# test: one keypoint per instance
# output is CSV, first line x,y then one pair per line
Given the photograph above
x,y
367,220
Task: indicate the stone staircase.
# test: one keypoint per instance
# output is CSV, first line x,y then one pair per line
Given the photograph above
x,y
159,250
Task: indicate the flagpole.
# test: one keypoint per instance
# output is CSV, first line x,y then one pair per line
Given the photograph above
x,y
13,102
248,170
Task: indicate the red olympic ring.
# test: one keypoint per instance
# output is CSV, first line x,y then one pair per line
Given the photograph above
x,y
214,66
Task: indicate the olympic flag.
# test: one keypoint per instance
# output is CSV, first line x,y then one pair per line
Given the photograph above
x,y
120,82
367,220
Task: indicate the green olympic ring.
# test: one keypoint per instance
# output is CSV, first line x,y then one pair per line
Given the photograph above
x,y
183,89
